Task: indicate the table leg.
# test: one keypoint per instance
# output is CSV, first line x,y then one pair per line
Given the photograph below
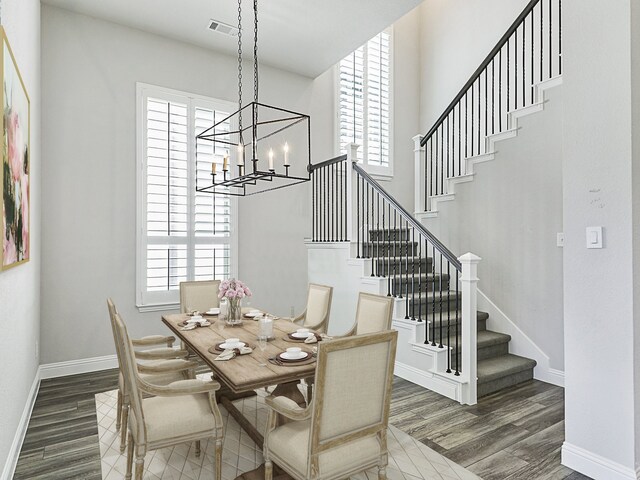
x,y
291,391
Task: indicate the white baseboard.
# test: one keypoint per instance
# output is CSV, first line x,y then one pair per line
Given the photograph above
x,y
520,343
593,465
18,438
435,383
73,367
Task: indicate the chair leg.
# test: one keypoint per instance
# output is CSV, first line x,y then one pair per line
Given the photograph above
x,y
218,459
382,473
268,470
129,457
123,428
119,411
140,453
197,448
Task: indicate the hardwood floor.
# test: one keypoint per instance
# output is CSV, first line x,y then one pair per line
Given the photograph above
x,y
515,434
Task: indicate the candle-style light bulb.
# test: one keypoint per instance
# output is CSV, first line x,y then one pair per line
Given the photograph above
x,y
286,154
225,164
271,159
240,154
213,168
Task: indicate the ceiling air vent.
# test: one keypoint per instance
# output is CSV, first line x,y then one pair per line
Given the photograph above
x,y
223,28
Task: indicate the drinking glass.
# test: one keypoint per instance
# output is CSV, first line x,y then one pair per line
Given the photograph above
x,y
262,344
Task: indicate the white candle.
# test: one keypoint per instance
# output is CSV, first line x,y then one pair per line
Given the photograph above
x,y
270,159
240,154
286,153
213,168
225,164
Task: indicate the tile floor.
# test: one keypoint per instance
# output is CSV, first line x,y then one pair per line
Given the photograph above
x,y
409,459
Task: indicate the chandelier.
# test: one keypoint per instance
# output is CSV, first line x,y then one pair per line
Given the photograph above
x,y
262,147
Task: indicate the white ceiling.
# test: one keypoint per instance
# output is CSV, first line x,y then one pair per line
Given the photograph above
x,y
301,36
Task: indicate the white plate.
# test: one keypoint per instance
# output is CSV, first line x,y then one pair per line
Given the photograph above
x,y
213,311
238,345
195,319
288,356
253,313
301,335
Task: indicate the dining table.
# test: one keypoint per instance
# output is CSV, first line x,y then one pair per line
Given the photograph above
x,y
242,375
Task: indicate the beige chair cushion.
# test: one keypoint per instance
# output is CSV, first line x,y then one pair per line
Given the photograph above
x,y
374,314
173,417
317,305
291,442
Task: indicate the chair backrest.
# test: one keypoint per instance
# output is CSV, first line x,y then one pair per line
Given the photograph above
x,y
353,382
199,295
129,371
373,313
113,311
318,307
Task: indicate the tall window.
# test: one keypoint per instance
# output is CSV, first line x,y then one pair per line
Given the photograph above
x,y
182,234
364,103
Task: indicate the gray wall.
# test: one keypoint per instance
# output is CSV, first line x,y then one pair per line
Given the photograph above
x,y
509,215
90,68
20,286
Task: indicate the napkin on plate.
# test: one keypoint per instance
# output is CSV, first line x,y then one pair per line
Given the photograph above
x,y
316,337
192,325
230,353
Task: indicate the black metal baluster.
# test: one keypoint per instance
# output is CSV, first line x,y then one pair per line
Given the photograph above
x,y
357,216
550,44
486,106
448,145
406,266
347,233
459,138
442,160
466,124
479,114
448,321
457,372
420,277
395,256
333,200
493,96
559,37
313,206
413,273
473,104
440,293
433,297
340,201
378,234
524,63
387,269
508,81
436,160
430,171
368,226
500,91
374,250
515,75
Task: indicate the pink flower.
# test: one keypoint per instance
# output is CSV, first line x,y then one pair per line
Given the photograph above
x,y
15,145
224,286
247,292
231,294
239,294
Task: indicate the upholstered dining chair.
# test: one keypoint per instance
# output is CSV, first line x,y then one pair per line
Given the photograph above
x,y
159,366
316,315
373,314
200,295
344,430
182,411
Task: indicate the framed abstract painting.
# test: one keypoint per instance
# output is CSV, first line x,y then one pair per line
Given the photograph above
x,y
14,188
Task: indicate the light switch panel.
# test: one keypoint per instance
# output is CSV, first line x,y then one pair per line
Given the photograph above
x,y
594,237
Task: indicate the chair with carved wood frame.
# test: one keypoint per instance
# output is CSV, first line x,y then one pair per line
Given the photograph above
x,y
373,314
161,366
316,314
344,430
182,411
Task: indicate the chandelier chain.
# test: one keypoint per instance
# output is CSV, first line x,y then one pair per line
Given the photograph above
x,y
240,64
255,51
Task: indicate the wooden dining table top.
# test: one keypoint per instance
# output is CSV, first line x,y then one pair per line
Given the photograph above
x,y
244,373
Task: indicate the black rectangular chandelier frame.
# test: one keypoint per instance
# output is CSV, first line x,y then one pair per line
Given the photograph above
x,y
237,186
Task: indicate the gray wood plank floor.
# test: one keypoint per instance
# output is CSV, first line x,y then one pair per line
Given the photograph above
x,y
513,434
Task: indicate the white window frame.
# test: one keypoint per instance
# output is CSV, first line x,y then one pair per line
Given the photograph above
x,y
376,171
168,300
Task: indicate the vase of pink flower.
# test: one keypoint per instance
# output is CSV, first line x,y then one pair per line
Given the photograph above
x,y
234,291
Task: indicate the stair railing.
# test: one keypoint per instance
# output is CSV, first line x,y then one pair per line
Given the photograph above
x,y
529,52
429,282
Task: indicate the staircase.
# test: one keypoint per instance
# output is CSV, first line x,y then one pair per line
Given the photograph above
x,y
497,368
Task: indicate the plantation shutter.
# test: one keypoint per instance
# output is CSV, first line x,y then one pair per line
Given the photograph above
x,y
186,235
364,102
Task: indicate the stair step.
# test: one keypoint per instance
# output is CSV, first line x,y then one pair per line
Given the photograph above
x,y
418,283
490,344
384,249
449,301
389,234
503,371
481,321
397,265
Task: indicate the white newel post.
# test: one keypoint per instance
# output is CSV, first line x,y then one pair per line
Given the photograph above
x,y
352,157
419,169
468,286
